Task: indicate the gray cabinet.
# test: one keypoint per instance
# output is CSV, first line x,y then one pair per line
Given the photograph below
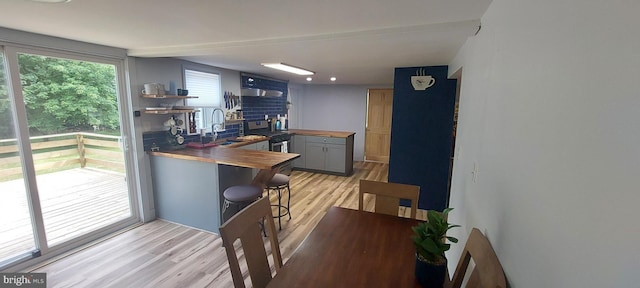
x,y
299,146
189,192
335,158
315,156
252,146
330,154
263,145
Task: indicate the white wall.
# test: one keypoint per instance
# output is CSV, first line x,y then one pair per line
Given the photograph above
x,y
549,112
335,108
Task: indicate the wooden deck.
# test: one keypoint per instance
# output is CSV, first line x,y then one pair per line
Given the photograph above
x,y
73,202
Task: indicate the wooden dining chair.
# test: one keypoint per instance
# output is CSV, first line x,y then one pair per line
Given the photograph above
x,y
487,271
245,225
388,196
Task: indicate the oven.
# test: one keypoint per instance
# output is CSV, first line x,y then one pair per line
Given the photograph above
x,y
283,147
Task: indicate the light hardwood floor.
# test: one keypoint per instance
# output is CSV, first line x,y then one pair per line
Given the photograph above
x,y
162,254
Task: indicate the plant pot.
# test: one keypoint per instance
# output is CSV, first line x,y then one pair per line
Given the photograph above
x,y
430,275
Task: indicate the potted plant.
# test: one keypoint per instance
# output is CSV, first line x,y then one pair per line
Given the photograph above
x,y
430,241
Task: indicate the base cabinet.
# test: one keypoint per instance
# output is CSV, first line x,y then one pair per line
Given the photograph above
x,y
335,160
263,145
249,147
315,156
299,146
191,192
328,154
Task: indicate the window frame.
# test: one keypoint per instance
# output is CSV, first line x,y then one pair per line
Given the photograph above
x,y
202,120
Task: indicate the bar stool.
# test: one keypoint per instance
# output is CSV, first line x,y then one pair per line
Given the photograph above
x,y
239,196
277,183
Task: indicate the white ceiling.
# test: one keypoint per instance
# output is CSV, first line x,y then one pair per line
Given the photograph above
x,y
357,41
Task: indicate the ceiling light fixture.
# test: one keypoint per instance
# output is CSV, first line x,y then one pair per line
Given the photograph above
x,y
309,78
333,79
288,68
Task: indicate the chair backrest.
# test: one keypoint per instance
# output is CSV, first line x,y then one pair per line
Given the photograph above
x,y
487,271
388,196
245,225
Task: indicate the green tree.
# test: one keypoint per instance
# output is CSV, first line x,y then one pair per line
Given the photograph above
x,y
66,95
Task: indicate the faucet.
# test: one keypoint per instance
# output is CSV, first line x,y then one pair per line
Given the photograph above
x,y
214,131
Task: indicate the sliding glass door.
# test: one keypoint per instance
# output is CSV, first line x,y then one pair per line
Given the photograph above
x,y
66,165
16,229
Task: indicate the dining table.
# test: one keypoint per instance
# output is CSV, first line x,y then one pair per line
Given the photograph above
x,y
352,248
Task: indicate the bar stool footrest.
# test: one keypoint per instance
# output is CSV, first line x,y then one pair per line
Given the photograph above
x,y
281,207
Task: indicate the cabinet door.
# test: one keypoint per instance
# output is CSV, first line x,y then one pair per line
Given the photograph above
x,y
298,146
253,146
264,146
315,156
335,158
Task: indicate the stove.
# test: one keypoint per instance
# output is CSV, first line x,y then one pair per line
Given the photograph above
x,y
279,141
261,127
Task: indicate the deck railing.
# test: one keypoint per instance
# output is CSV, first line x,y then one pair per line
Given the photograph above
x,y
64,151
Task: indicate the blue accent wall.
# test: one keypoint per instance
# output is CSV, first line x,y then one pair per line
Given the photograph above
x,y
421,134
161,138
254,108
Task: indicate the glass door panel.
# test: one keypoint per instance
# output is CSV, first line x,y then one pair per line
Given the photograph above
x,y
74,128
16,230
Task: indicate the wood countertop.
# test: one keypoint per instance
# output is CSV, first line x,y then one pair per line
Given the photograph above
x,y
321,133
235,157
243,142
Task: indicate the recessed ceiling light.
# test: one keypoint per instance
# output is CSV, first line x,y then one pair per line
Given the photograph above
x,y
288,68
309,78
52,1
333,79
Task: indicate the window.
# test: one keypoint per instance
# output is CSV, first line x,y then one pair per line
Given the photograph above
x,y
206,86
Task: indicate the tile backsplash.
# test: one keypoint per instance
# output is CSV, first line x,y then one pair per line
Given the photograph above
x,y
254,108
163,140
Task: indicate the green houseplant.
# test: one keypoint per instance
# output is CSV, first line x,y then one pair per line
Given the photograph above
x,y
429,240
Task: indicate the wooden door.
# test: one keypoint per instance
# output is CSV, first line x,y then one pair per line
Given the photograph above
x,y
378,126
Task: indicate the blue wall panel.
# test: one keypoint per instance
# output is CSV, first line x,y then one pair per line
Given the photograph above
x,y
421,134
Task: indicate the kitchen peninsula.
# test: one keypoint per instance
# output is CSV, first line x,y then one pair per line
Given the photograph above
x,y
188,183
